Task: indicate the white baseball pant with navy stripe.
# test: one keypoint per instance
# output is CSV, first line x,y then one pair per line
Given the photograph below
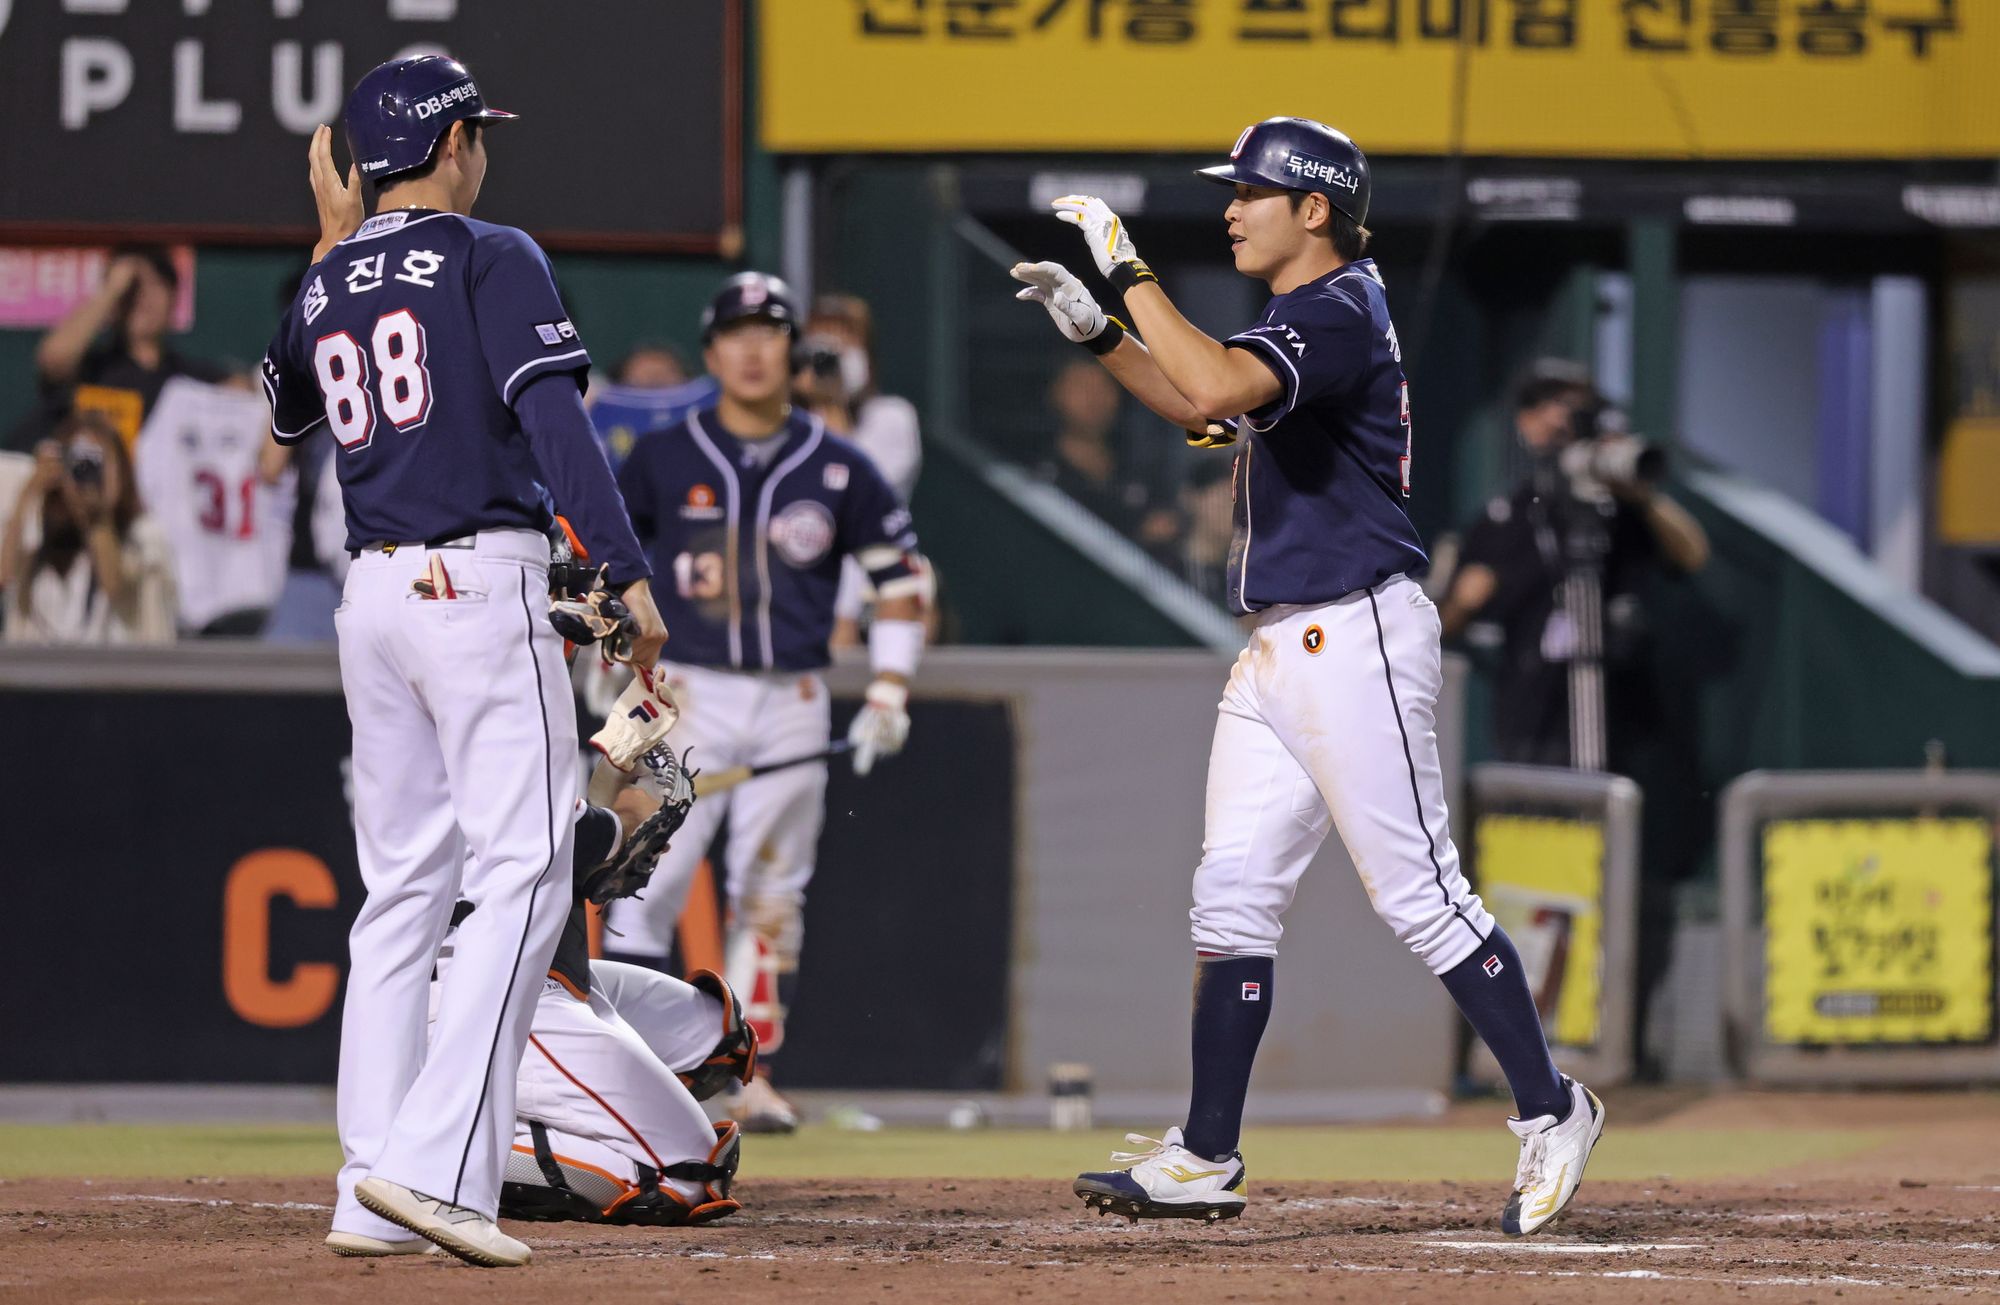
x,y
1329,722
464,785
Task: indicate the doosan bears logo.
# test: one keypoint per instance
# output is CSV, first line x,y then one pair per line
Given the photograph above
x,y
1312,169
803,533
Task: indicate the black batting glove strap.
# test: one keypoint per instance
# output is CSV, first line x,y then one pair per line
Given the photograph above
x,y
1123,276
1107,339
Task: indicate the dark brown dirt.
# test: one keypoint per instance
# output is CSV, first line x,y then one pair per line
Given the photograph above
x,y
1869,1239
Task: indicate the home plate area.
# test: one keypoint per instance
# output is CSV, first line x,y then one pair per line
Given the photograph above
x,y
991,1240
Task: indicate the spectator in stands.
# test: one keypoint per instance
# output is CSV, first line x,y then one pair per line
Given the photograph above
x,y
649,390
650,365
1207,504
82,563
111,354
1086,466
837,383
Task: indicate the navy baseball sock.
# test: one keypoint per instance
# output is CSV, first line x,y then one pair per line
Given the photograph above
x,y
1232,1004
1491,988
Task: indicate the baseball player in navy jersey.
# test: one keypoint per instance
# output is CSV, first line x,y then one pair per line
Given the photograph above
x,y
750,507
1328,720
437,350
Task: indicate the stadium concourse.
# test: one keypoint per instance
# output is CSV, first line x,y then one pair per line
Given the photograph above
x,y
1770,1197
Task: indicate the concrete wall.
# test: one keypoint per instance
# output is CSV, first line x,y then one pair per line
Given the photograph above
x,y
1114,754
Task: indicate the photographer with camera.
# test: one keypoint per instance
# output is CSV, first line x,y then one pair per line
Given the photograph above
x,y
1567,570
836,382
81,563
1560,565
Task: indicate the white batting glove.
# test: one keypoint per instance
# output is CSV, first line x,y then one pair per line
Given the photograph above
x,y
1068,304
638,720
1110,243
883,725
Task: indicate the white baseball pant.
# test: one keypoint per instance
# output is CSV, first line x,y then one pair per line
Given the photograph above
x,y
464,785
739,718
1329,721
600,1072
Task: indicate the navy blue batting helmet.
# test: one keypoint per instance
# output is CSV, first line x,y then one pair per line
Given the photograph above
x,y
1299,154
398,113
747,295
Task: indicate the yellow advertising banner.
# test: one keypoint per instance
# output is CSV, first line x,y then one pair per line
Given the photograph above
x,y
1543,879
1580,78
1878,931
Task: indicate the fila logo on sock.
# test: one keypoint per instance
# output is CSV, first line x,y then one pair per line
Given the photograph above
x,y
1253,992
1492,966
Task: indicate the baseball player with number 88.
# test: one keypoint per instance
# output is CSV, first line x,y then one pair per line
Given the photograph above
x,y
1328,720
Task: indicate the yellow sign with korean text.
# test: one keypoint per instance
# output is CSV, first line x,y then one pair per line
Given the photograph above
x,y
1543,879
1544,78
1878,931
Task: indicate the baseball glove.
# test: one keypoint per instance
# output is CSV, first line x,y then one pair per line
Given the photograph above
x,y
594,615
630,868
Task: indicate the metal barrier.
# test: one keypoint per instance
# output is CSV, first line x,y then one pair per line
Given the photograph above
x,y
1555,854
1859,926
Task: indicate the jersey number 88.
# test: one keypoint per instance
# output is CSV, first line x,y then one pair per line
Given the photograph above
x,y
402,394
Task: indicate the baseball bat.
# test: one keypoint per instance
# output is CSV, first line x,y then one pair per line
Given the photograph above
x,y
716,781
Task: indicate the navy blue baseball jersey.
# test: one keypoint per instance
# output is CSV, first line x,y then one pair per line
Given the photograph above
x,y
413,340
1321,479
753,533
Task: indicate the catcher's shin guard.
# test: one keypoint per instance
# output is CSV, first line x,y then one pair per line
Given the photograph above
x,y
660,1205
735,1054
543,1187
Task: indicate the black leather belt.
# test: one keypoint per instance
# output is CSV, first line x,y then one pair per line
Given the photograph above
x,y
388,546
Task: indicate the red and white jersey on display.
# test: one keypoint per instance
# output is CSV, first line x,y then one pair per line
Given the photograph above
x,y
196,463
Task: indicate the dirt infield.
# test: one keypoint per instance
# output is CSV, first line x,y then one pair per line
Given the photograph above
x,y
912,1240
1897,1199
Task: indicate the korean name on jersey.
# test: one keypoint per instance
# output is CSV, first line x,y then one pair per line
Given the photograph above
x,y
411,340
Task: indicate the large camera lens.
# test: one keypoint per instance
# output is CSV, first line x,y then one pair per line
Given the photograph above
x,y
86,464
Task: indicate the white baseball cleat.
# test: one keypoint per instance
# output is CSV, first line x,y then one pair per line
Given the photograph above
x,y
360,1246
759,1109
466,1233
1552,1159
1165,1181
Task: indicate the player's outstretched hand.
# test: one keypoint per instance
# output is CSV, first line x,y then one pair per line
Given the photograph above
x,y
649,631
339,203
1069,305
882,726
1110,243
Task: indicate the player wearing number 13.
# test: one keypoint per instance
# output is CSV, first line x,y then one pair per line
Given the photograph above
x,y
438,351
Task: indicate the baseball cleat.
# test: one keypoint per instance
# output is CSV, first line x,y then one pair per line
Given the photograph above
x,y
1552,1160
1165,1181
358,1246
466,1233
760,1109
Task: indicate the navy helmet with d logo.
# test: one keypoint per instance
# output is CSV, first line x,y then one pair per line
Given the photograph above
x,y
398,113
1299,154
